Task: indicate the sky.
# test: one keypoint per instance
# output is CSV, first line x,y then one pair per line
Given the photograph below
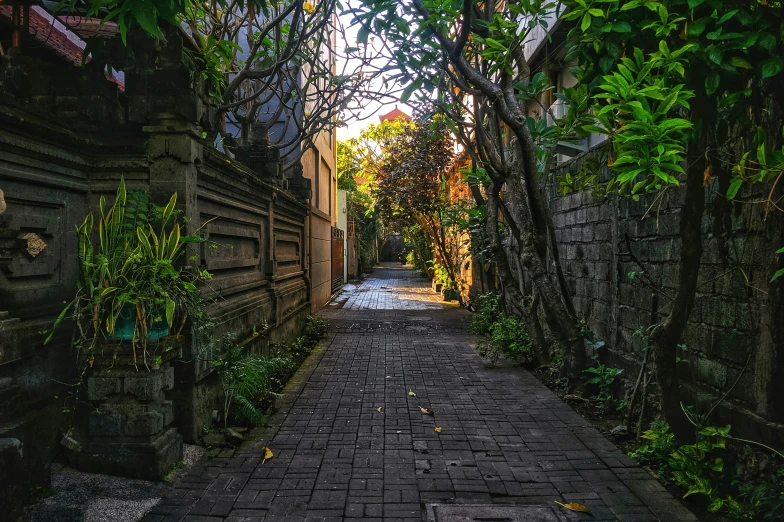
x,y
372,110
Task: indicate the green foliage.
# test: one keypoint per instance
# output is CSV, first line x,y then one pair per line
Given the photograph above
x,y
696,467
315,328
488,309
764,501
763,166
420,253
299,348
648,140
699,469
657,451
441,275
510,335
504,335
604,377
132,265
249,382
359,161
646,62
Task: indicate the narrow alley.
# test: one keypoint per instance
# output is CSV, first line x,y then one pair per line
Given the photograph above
x,y
351,441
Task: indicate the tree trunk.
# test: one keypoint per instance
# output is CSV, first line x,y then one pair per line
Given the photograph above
x,y
511,285
541,353
563,323
665,338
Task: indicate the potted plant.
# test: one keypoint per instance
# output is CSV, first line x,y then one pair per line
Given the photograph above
x,y
450,291
130,287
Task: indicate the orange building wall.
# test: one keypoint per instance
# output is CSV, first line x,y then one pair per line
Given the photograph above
x,y
319,167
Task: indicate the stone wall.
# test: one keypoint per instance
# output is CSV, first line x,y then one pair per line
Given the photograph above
x,y
67,136
621,256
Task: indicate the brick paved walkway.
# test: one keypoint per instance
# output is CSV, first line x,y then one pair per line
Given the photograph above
x,y
505,440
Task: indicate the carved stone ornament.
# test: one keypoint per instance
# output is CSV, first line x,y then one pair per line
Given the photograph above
x,y
35,245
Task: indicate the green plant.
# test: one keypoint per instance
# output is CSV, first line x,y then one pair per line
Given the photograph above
x,y
510,334
441,276
657,451
764,501
698,467
603,377
315,328
170,477
505,335
248,381
132,268
299,348
488,308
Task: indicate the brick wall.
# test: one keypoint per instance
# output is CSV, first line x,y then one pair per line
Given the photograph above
x,y
737,314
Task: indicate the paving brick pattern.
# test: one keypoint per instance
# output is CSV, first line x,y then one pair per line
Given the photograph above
x,y
505,438
393,288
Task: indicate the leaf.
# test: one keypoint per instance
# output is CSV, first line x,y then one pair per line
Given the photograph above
x,y
267,454
697,27
411,393
407,92
363,33
734,187
586,23
772,67
605,63
169,310
380,409
711,83
778,274
426,411
438,428
621,27
574,506
767,41
737,61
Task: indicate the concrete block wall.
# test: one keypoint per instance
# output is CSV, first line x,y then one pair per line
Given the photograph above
x,y
618,253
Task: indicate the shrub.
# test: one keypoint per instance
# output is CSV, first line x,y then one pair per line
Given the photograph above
x,y
505,335
658,450
763,501
249,382
441,275
699,469
511,336
315,328
488,309
604,377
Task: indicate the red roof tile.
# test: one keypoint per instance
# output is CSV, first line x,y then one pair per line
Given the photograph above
x,y
395,114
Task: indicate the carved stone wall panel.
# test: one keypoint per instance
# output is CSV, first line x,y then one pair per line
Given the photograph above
x,y
291,297
236,249
289,247
39,267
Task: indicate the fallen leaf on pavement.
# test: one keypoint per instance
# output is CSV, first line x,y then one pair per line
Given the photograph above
x,y
574,506
411,393
438,429
267,454
426,411
379,410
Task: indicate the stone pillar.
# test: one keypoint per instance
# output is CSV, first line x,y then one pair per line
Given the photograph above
x,y
129,427
13,487
261,158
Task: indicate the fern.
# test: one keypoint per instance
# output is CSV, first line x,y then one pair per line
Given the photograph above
x,y
248,381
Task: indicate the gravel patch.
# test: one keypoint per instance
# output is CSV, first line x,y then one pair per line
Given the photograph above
x,y
89,497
